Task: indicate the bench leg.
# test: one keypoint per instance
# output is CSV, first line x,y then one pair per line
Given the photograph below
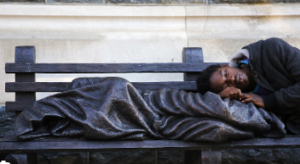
x,y
32,158
211,157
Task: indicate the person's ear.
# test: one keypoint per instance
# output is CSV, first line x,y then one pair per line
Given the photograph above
x,y
225,65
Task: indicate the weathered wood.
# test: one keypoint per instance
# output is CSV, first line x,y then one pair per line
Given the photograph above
x,y
63,86
192,157
192,56
211,157
104,68
25,55
69,144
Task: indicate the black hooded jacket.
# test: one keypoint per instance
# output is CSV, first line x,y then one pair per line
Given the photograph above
x,y
275,65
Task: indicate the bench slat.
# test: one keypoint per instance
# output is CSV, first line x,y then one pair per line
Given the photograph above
x,y
104,68
36,86
75,145
63,86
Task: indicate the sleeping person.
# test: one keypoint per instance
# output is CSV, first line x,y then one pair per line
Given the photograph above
x,y
112,108
266,73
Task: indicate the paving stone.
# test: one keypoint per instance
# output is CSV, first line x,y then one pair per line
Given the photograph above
x,y
74,1
251,1
135,1
162,2
147,1
172,1
118,1
195,1
27,1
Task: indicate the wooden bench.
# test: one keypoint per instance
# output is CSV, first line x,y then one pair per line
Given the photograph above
x,y
195,152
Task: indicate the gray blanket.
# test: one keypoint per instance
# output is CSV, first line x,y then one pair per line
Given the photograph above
x,y
112,109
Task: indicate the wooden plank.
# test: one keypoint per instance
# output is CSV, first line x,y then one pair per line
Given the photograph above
x,y
75,145
63,86
211,157
192,157
104,68
193,56
25,55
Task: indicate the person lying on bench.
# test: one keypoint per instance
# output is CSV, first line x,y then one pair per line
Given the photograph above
x,y
111,108
266,73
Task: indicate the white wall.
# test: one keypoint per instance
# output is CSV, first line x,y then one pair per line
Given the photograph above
x,y
116,34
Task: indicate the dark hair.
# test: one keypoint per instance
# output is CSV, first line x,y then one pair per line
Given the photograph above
x,y
203,83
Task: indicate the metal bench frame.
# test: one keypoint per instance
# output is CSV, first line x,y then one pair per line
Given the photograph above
x,y
195,152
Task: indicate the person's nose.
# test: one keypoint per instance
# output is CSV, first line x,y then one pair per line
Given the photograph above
x,y
230,80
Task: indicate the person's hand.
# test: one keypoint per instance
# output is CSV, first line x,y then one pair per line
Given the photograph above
x,y
254,98
231,93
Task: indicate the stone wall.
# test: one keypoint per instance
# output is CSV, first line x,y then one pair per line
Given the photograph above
x,y
141,34
151,2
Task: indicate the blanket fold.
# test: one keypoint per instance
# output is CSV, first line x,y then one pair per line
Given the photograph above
x,y
112,109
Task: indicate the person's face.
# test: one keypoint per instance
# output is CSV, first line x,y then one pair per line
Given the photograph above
x,y
228,77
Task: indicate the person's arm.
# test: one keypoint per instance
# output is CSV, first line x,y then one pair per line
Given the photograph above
x,y
254,98
235,93
282,55
231,93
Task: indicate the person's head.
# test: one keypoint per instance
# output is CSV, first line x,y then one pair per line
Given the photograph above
x,y
203,80
215,78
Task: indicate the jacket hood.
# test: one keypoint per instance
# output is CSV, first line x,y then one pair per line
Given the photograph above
x,y
238,56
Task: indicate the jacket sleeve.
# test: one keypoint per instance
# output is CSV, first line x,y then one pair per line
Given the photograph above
x,y
286,60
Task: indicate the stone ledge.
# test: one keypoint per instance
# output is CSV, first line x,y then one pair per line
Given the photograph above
x,y
287,9
92,11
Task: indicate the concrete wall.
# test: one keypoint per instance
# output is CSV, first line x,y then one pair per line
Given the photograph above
x,y
114,34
